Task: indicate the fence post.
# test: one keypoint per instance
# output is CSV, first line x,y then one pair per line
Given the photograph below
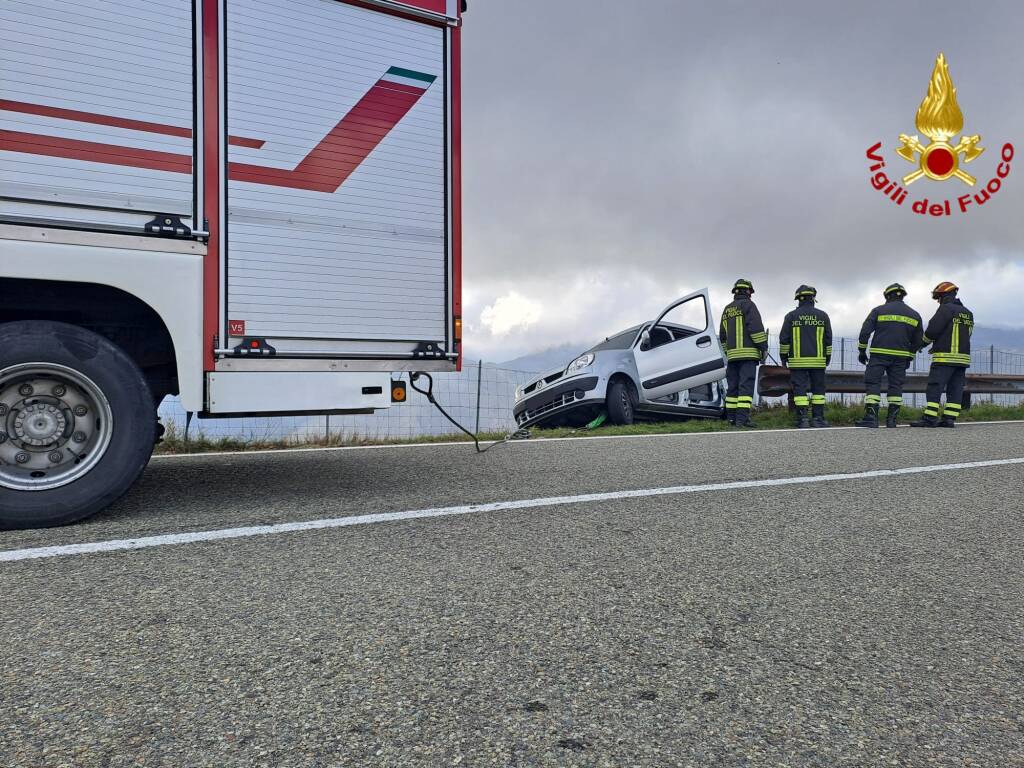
x,y
327,427
842,363
992,366
479,378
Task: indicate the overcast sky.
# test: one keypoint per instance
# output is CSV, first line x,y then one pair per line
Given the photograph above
x,y
619,154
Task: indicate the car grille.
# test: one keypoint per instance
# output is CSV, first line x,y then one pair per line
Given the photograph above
x,y
558,402
547,380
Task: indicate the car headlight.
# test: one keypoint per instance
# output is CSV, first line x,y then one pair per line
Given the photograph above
x,y
581,362
519,393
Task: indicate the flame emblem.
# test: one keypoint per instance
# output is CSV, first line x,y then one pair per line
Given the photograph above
x,y
939,118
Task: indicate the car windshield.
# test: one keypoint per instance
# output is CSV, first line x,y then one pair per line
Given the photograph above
x,y
622,340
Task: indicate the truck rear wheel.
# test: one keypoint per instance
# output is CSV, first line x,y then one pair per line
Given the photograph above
x,y
76,423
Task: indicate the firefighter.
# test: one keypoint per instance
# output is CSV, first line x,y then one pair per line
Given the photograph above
x,y
895,331
805,345
949,333
746,344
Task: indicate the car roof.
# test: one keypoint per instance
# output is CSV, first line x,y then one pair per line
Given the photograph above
x,y
637,327
632,329
627,330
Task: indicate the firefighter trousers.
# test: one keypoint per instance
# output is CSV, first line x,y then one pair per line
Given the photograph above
x,y
951,380
894,370
808,386
740,375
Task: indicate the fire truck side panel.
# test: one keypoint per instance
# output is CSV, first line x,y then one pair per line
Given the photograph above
x,y
316,139
96,111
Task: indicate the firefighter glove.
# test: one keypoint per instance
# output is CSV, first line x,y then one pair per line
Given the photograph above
x,y
863,357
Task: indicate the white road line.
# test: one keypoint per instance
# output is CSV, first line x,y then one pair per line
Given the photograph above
x,y
416,514
540,440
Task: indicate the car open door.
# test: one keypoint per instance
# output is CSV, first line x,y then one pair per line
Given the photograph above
x,y
680,349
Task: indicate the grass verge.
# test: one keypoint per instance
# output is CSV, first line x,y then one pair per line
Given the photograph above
x,y
779,417
199,442
838,415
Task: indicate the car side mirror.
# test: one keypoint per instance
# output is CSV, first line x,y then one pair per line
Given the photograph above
x,y
645,340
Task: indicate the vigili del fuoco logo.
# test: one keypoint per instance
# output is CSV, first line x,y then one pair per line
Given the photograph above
x,y
939,118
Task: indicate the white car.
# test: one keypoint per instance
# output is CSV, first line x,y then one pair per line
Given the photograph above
x,y
673,366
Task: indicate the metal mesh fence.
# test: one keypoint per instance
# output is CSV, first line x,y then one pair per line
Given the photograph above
x,y
481,397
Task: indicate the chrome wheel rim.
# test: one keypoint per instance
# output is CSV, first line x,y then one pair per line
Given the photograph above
x,y
55,426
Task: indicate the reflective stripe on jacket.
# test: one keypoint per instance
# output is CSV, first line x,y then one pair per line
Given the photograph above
x,y
894,330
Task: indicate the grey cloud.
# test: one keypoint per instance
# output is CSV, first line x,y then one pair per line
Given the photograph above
x,y
725,138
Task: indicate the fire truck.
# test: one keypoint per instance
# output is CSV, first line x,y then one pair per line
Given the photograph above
x,y
251,204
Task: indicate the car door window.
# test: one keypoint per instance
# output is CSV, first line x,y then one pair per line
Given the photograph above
x,y
684,320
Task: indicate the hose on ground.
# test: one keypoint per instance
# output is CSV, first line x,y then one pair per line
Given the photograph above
x,y
519,434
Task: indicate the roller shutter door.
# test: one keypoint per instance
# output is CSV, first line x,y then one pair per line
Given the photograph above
x,y
96,110
337,220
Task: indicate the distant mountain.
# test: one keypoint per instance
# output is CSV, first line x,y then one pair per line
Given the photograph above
x,y
1006,339
539,362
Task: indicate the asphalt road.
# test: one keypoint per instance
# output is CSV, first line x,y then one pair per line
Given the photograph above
x,y
874,621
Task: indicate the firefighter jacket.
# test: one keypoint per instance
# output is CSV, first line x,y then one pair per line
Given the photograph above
x,y
742,332
894,330
949,333
806,337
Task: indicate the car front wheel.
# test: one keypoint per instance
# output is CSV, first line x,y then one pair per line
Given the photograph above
x,y
620,402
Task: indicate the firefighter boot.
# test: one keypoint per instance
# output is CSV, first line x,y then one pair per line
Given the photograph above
x,y
947,421
892,416
802,422
818,416
743,419
730,416
926,421
870,416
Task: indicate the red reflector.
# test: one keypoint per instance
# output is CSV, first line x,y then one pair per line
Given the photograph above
x,y
254,344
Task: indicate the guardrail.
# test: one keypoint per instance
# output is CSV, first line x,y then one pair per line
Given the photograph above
x,y
774,381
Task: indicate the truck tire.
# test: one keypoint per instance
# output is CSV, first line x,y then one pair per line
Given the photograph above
x,y
76,423
621,402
